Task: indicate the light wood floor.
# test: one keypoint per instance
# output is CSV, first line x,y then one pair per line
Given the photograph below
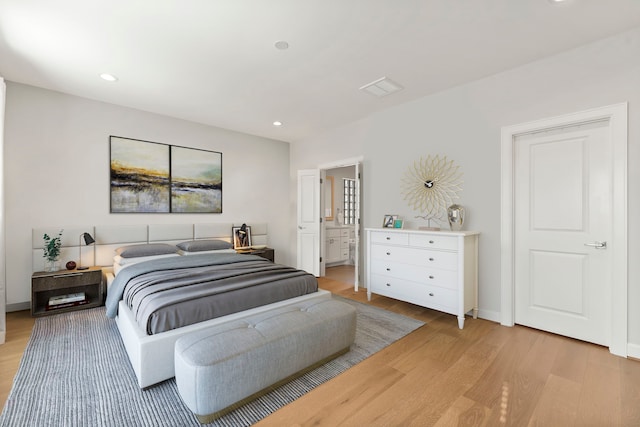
x,y
439,375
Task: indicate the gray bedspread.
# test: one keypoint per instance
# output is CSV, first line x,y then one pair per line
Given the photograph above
x,y
169,293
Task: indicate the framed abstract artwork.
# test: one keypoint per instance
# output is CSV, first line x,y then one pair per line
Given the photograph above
x,y
149,177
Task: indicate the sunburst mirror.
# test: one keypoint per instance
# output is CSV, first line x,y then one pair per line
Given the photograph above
x,y
430,185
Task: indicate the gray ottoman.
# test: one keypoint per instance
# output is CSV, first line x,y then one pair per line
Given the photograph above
x,y
228,365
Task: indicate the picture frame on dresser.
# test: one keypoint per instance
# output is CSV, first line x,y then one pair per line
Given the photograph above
x,y
389,221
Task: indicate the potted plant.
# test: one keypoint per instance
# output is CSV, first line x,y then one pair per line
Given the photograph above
x,y
52,252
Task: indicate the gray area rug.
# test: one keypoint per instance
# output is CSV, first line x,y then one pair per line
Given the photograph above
x,y
75,372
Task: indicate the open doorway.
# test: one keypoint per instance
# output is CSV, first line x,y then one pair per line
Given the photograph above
x,y
340,224
341,245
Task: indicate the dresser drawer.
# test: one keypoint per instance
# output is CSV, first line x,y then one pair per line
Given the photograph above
x,y
424,295
390,238
426,275
430,241
420,257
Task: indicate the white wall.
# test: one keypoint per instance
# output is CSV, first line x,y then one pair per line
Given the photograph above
x,y
57,172
464,124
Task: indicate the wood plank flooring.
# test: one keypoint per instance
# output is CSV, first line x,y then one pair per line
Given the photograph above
x,y
439,375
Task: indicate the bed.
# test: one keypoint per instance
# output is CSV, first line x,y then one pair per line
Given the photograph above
x,y
149,338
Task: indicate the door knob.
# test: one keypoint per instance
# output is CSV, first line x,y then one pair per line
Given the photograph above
x,y
597,245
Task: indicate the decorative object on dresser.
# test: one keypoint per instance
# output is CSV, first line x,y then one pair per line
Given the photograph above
x,y
455,215
59,291
434,269
389,221
51,251
430,185
88,239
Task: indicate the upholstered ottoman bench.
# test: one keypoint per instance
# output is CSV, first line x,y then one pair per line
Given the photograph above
x,y
221,368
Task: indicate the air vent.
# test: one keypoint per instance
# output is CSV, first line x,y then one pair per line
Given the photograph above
x,y
381,87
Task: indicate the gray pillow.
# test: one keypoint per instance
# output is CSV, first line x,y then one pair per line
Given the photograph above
x,y
134,251
204,245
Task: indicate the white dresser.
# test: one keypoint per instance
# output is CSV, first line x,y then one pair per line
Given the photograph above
x,y
434,269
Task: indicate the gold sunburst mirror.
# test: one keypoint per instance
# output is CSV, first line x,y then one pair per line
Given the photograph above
x,y
430,185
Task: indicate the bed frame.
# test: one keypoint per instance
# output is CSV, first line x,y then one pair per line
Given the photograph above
x,y
151,356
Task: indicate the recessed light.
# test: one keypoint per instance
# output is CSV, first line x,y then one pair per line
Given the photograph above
x,y
108,77
281,45
277,123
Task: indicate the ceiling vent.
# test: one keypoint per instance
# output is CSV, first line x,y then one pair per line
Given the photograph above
x,y
381,87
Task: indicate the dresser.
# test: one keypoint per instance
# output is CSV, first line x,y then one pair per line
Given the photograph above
x,y
434,269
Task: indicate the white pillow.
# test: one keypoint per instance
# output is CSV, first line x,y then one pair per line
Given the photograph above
x,y
119,262
124,261
217,251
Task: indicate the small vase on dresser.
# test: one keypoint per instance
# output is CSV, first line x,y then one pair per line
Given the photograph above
x,y
433,269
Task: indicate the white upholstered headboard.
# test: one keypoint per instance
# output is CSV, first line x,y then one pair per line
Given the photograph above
x,y
110,237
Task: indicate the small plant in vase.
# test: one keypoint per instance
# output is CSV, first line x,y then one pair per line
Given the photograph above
x,y
51,251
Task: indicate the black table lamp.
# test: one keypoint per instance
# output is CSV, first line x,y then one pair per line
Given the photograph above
x,y
87,241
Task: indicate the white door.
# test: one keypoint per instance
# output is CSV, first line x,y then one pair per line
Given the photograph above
x,y
563,216
308,238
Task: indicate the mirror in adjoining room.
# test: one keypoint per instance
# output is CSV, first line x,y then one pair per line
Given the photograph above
x,y
328,198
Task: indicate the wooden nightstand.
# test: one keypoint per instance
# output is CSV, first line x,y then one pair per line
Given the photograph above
x,y
45,285
266,253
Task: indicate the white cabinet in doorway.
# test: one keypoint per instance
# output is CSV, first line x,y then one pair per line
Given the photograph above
x,y
337,244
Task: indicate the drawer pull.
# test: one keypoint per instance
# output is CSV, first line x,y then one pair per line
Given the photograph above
x,y
431,277
388,253
388,238
389,284
388,269
431,259
431,241
430,294
61,276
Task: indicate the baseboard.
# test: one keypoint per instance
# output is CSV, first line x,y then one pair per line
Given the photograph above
x,y
493,316
2,337
19,306
633,350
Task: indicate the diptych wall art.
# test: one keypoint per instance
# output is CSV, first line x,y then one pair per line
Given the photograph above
x,y
149,177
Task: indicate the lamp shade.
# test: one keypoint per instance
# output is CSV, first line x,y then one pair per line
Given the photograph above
x,y
87,238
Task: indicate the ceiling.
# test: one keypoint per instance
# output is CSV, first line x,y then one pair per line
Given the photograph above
x,y
215,61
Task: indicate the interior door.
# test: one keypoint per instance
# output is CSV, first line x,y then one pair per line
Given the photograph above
x,y
563,217
357,226
308,231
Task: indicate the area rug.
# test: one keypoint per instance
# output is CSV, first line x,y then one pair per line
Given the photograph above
x,y
75,372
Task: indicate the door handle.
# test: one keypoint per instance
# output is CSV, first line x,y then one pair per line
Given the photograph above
x,y
597,245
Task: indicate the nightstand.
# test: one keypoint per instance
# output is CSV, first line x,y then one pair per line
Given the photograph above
x,y
46,285
266,253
